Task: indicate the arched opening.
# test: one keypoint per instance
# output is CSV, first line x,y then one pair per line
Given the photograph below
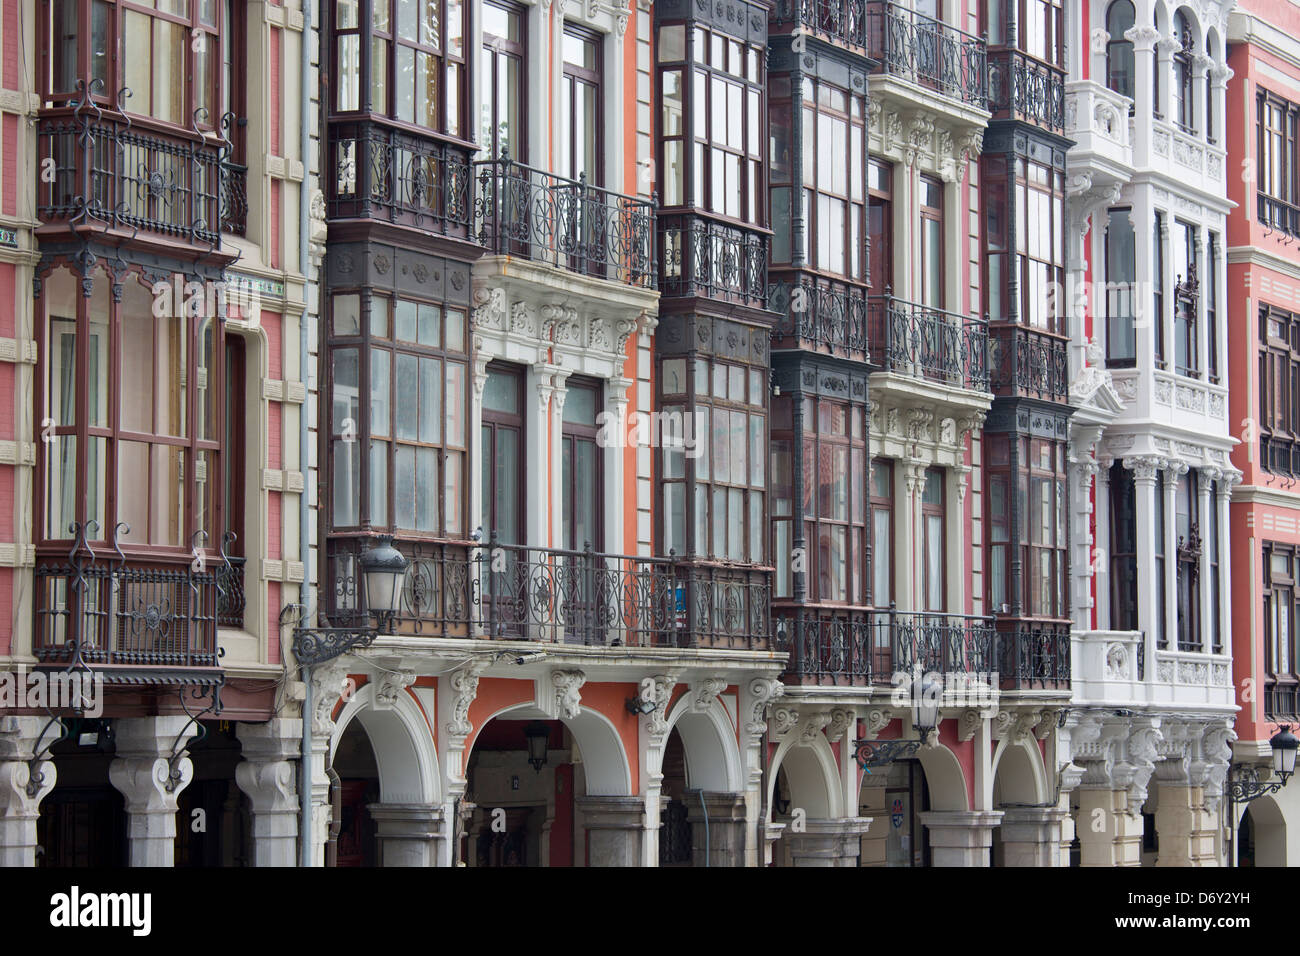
x,y
675,842
895,796
1018,792
214,824
802,796
1261,835
572,807
354,786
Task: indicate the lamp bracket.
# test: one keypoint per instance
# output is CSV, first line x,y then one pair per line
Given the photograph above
x,y
881,753
1244,784
317,645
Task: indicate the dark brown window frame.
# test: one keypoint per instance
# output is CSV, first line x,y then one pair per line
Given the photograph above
x,y
579,76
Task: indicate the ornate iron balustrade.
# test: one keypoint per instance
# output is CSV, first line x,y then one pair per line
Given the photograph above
x,y
705,257
1278,215
1030,362
130,174
566,223
234,198
231,600
928,52
842,20
1035,654
1281,701
928,343
868,646
556,596
107,610
1280,455
820,313
381,172
1026,89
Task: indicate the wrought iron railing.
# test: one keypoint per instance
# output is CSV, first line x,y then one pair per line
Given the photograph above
x,y
870,646
128,173
103,609
819,313
1280,454
1026,89
842,20
1035,654
1279,215
234,198
706,257
1029,362
1281,700
231,599
382,172
567,223
928,52
929,343
558,596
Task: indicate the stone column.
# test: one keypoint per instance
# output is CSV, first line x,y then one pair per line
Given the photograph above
x,y
1108,834
827,842
723,833
961,837
409,834
613,829
151,781
1144,478
1031,836
1177,824
1173,471
268,776
22,787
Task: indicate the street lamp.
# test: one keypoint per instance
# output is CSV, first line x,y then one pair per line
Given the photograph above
x,y
926,696
382,571
1244,784
539,735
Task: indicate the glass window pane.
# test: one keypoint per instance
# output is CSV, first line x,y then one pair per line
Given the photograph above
x,y
380,390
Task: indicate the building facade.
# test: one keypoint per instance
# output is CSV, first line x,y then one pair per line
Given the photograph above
x,y
1265,59
806,425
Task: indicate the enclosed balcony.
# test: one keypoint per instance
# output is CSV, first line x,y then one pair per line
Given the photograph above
x,y
511,592
841,21
928,53
1028,363
564,223
708,257
1022,88
387,173
929,344
119,178
1118,668
868,647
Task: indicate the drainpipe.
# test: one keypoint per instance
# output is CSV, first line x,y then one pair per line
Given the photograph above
x,y
703,807
304,538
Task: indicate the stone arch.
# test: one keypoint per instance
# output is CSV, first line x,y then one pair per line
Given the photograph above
x,y
713,760
944,778
604,761
1018,775
403,746
812,775
1270,831
1193,24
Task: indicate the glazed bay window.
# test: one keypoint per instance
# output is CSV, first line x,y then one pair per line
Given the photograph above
x,y
833,446
1040,243
1281,610
711,85
403,60
134,398
1279,390
406,444
1277,186
168,54
834,161
1183,56
723,405
1121,331
1043,527
1212,308
1187,502
1158,288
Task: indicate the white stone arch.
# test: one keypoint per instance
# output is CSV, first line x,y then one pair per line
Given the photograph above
x,y
1018,774
812,775
604,761
1270,831
713,759
1193,23
944,778
403,747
